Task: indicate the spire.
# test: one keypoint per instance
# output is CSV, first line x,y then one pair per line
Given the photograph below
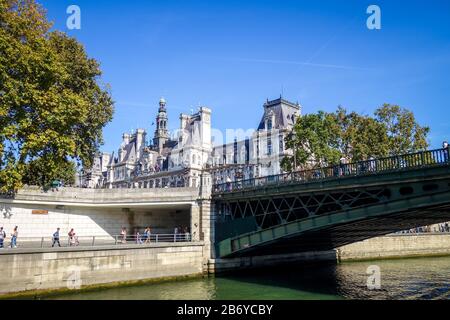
x,y
161,132
162,105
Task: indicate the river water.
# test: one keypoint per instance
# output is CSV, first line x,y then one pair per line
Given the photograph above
x,y
421,278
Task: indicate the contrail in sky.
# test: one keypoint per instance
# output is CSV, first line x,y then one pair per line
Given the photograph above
x,y
302,63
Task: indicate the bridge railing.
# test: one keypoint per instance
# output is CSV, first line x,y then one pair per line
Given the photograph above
x,y
95,241
373,166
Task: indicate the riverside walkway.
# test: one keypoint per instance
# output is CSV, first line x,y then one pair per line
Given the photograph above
x,y
96,241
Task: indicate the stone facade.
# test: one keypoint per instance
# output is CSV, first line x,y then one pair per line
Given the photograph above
x,y
180,159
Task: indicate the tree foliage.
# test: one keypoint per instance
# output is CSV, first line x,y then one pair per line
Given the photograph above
x,y
314,138
37,172
404,133
321,139
52,107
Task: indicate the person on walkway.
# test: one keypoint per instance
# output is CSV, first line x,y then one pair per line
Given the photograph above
x,y
176,231
2,237
14,236
138,238
229,184
72,240
446,149
148,235
56,238
123,235
56,184
186,234
372,164
144,236
343,165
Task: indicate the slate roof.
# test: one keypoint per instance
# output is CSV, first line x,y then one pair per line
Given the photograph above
x,y
285,113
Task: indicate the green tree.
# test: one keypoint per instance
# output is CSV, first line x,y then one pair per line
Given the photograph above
x,y
359,136
37,173
405,134
52,107
369,138
314,137
321,139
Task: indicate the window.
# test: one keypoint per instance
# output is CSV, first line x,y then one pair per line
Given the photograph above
x,y
281,143
269,146
269,124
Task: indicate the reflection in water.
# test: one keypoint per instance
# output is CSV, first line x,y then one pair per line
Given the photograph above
x,y
424,278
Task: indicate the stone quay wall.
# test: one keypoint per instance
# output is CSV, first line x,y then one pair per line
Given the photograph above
x,y
67,269
397,246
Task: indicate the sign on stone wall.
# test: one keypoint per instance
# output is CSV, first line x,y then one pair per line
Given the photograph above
x,y
40,212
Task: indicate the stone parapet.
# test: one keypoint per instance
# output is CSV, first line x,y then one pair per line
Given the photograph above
x,y
104,196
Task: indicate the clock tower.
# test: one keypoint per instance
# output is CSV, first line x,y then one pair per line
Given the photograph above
x,y
161,132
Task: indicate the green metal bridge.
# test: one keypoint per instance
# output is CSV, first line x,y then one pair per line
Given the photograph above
x,y
330,207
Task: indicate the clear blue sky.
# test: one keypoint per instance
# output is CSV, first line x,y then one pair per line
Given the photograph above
x,y
233,55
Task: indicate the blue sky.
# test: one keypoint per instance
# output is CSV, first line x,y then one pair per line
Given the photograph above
x,y
233,55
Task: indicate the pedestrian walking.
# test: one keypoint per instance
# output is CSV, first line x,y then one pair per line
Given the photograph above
x,y
123,235
144,236
138,238
73,239
343,165
56,184
186,234
446,150
148,235
2,237
175,232
56,238
14,237
229,184
372,164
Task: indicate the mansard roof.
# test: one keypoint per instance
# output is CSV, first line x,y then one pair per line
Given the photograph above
x,y
130,150
112,160
285,113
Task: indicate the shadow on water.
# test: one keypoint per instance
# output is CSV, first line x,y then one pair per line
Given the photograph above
x,y
420,278
293,281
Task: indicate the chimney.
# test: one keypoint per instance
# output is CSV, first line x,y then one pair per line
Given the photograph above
x,y
126,138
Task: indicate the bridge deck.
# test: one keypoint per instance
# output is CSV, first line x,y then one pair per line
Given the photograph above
x,y
401,163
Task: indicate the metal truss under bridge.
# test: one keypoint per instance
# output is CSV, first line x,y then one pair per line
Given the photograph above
x,y
330,207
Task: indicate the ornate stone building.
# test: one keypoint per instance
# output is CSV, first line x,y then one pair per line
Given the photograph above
x,y
178,159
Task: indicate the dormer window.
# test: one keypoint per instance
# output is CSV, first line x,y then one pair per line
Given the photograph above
x,y
270,118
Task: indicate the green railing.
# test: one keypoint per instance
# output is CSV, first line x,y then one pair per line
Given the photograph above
x,y
416,160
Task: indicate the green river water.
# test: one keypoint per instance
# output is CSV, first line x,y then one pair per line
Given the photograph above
x,y
421,278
